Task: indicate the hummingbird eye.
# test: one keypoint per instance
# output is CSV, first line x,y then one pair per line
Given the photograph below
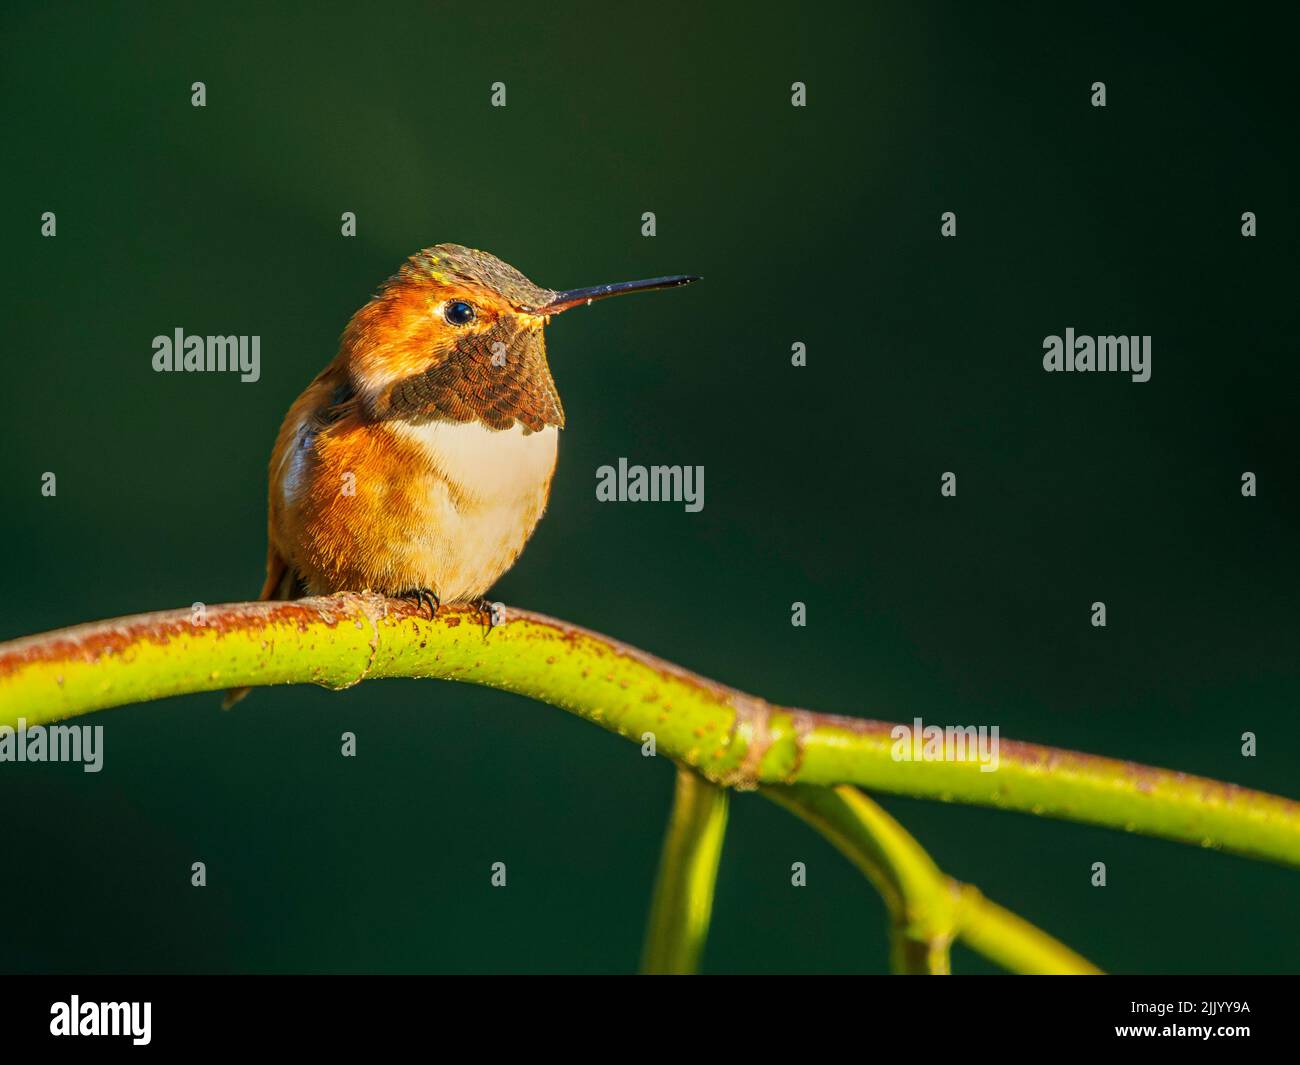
x,y
458,312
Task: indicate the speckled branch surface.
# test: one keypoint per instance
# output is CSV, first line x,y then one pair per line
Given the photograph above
x,y
734,739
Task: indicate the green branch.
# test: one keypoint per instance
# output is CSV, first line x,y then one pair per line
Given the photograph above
x,y
729,737
927,909
688,870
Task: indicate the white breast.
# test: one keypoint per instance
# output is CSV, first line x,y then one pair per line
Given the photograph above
x,y
490,466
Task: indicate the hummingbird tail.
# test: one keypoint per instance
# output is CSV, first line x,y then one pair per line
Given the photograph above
x,y
281,583
232,696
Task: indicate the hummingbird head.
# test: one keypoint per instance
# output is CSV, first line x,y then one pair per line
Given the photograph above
x,y
457,335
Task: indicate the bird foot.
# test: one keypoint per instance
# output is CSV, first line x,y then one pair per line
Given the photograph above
x,y
492,614
423,597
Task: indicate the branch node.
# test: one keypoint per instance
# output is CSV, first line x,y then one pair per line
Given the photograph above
x,y
374,608
750,727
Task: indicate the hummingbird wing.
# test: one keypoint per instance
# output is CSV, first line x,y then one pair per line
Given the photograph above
x,y
281,579
327,399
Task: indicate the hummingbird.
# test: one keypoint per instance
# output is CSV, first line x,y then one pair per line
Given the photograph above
x,y
418,463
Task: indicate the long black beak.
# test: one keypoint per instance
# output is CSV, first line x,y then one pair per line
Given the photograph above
x,y
576,296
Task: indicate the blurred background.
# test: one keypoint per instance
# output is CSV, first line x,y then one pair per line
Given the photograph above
x,y
818,225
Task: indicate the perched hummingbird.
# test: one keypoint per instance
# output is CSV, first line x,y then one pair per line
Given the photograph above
x,y
418,463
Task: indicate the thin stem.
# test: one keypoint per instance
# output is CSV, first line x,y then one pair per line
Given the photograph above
x,y
1009,940
731,738
688,873
927,909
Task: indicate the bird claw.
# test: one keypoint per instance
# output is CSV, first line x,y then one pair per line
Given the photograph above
x,y
493,614
423,597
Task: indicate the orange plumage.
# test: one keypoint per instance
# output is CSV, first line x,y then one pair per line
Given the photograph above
x,y
420,460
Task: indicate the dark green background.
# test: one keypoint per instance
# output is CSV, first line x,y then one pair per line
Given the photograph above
x,y
822,484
